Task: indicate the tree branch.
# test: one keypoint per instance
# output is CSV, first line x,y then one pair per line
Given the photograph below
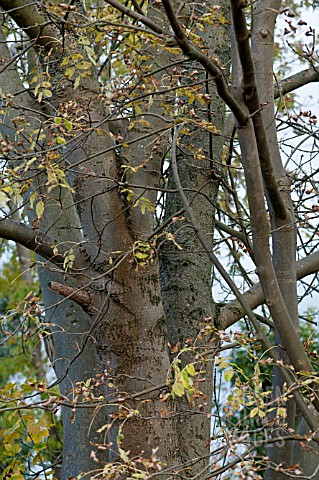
x,y
231,313
81,297
136,16
194,54
32,239
254,106
310,419
234,233
282,87
296,81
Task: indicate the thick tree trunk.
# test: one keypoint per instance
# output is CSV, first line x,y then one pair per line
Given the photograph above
x,y
186,272
67,324
73,353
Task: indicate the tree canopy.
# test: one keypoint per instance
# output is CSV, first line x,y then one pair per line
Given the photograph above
x,y
159,226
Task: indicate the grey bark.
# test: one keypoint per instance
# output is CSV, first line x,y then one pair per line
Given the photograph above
x,y
67,324
186,273
284,231
127,318
74,357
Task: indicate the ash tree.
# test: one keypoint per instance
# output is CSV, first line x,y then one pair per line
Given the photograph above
x,y
151,152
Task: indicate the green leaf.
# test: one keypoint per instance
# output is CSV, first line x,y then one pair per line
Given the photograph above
x,y
123,455
140,255
229,375
17,476
68,125
61,140
47,93
12,449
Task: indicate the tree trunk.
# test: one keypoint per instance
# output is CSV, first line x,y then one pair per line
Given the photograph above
x,y
283,232
186,272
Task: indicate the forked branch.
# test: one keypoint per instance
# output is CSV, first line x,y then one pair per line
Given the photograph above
x,y
251,97
193,53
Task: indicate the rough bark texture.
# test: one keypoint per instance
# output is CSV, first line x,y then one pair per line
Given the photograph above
x,y
186,273
122,334
128,321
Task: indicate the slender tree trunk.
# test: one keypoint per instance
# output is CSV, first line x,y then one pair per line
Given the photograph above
x,y
283,232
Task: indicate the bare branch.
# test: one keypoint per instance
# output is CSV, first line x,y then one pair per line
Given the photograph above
x,y
81,297
136,16
233,312
32,239
254,106
310,419
282,87
296,81
234,233
214,70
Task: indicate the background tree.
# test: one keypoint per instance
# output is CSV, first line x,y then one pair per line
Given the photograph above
x,y
138,141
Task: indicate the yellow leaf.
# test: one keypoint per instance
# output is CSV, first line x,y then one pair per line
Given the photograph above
x,y
131,125
16,476
65,61
84,65
32,199
69,72
190,369
228,375
40,209
3,199
145,123
254,412
77,82
178,389
99,37
47,93
174,51
40,434
138,110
